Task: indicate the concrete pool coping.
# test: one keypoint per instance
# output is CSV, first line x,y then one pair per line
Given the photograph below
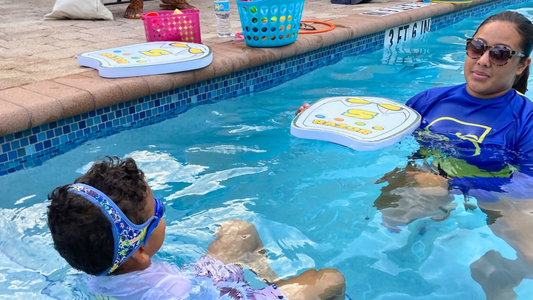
x,y
30,105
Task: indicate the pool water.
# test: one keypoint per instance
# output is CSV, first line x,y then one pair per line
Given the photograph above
x,y
312,201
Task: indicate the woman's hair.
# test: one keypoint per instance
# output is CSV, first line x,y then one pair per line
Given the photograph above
x,y
82,234
525,29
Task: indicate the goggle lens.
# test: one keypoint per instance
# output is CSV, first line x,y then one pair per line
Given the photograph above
x,y
159,212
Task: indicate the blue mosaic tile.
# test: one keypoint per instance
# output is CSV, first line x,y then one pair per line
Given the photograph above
x,y
12,155
24,142
33,146
29,150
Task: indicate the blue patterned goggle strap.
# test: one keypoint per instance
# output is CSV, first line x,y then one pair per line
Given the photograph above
x,y
127,236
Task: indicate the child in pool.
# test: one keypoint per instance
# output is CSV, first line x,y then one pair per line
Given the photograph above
x,y
109,224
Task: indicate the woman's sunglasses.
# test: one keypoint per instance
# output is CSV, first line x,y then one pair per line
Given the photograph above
x,y
498,55
159,211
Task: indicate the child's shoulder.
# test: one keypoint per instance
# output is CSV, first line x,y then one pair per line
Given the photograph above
x,y
159,281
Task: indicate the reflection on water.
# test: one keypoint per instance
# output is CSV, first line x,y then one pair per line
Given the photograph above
x,y
505,195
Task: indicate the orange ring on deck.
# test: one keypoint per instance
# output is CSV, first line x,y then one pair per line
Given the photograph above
x,y
331,26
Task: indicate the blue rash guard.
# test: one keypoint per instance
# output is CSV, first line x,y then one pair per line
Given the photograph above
x,y
483,137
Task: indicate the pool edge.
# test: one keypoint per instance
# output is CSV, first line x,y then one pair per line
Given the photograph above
x,y
35,119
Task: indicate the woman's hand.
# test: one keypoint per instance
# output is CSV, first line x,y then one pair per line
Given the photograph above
x,y
302,108
429,183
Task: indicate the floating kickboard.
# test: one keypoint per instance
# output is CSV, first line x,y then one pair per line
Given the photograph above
x,y
361,123
147,59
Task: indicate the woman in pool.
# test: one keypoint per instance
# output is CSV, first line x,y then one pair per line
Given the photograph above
x,y
487,122
476,137
487,126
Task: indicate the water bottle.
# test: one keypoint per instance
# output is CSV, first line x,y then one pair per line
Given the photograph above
x,y
222,13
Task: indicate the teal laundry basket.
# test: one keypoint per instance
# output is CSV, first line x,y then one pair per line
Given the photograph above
x,y
270,23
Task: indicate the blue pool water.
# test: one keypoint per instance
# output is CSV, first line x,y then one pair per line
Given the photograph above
x,y
312,201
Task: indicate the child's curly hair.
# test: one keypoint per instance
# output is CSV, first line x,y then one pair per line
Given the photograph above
x,y
82,234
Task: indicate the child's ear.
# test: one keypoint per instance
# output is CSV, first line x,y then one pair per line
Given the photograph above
x,y
140,256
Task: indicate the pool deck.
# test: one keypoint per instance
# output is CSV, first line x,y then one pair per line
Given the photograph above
x,y
41,80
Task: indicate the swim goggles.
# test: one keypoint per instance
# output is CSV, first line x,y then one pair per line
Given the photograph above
x,y
127,236
498,55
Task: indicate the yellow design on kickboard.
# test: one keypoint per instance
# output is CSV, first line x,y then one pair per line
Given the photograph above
x,y
179,45
390,106
191,50
156,52
357,100
195,51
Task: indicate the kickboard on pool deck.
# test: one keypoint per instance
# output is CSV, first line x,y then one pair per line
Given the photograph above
x,y
147,59
359,122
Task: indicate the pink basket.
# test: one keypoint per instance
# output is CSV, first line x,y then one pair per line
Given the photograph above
x,y
167,26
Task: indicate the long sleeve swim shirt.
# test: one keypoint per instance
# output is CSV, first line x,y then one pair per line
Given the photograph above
x,y
473,129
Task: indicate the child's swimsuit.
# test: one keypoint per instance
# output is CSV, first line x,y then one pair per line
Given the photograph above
x,y
206,279
221,274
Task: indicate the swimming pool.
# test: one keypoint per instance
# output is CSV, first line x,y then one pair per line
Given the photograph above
x,y
311,201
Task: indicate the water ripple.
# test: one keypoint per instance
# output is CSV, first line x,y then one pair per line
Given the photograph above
x,y
225,149
211,182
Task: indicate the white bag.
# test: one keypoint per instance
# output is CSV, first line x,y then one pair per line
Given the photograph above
x,y
79,9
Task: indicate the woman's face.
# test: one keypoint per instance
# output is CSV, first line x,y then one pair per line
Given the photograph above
x,y
485,79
